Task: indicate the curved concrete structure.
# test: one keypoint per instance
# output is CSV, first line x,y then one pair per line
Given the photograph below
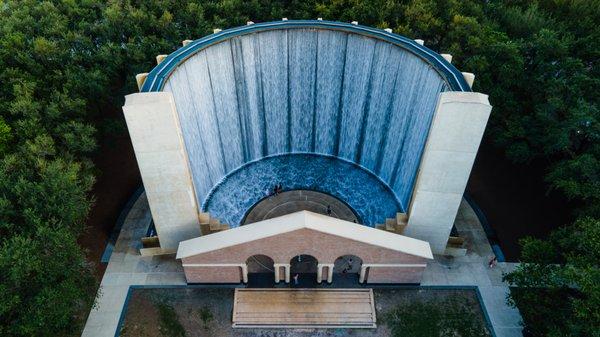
x,y
241,189
215,117
362,94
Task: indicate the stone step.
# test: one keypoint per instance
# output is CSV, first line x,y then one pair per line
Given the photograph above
x,y
456,241
400,228
205,228
214,224
390,224
303,308
203,218
401,218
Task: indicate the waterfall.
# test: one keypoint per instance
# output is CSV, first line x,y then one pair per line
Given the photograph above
x,y
318,91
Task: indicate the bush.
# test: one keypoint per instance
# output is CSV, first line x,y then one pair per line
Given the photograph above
x,y
206,316
169,323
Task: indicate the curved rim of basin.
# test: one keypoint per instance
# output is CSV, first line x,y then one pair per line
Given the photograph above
x,y
223,180
261,201
157,77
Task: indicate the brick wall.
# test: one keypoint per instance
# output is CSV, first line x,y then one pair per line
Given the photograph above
x,y
325,248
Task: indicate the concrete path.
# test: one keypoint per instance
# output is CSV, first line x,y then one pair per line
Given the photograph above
x,y
473,270
126,267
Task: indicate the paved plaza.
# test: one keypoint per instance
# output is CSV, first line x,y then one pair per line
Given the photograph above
x,y
127,267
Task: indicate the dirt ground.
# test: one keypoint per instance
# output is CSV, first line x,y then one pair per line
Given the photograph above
x,y
142,318
117,179
515,199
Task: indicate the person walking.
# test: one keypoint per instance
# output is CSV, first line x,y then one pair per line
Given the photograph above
x,y
493,262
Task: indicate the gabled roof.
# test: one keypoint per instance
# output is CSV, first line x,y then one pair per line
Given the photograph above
x,y
300,220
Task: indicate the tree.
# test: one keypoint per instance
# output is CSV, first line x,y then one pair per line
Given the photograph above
x,y
557,282
45,281
50,77
62,63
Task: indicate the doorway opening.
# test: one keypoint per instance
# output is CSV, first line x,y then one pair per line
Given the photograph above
x,y
303,271
346,270
261,271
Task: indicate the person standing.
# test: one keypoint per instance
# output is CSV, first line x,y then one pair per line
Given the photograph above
x,y
329,210
296,276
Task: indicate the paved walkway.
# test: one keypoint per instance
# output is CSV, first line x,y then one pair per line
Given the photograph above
x,y
126,267
473,270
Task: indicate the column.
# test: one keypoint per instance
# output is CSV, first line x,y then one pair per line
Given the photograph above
x,y
363,274
286,267
454,137
319,273
330,273
276,268
329,267
287,273
244,273
156,137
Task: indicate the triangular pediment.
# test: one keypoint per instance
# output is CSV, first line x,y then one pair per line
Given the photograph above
x,y
304,220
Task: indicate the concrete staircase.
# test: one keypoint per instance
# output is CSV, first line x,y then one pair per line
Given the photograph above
x,y
395,225
303,308
209,225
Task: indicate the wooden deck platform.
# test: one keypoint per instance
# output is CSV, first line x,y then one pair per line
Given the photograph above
x,y
303,308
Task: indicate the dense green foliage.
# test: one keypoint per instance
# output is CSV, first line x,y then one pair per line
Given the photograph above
x,y
559,293
62,63
451,318
48,82
206,316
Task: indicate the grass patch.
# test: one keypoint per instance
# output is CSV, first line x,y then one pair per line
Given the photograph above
x,y
449,318
206,316
169,323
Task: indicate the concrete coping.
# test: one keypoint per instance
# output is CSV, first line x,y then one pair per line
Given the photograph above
x,y
148,98
464,97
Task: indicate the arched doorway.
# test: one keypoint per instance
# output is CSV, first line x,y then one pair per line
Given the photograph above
x,y
305,268
346,270
261,273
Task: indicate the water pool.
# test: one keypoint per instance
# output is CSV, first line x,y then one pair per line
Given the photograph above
x,y
364,192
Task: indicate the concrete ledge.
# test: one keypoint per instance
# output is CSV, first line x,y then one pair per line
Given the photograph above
x,y
155,251
144,98
464,97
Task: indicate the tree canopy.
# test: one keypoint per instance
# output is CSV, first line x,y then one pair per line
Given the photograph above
x,y
63,63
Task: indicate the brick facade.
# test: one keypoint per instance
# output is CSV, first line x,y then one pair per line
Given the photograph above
x,y
326,248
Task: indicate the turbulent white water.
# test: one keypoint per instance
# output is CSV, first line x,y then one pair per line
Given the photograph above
x,y
305,90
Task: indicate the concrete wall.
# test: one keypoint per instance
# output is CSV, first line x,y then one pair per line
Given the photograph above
x,y
325,248
456,131
153,127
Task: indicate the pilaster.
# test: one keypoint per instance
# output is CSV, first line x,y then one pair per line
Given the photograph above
x,y
454,137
